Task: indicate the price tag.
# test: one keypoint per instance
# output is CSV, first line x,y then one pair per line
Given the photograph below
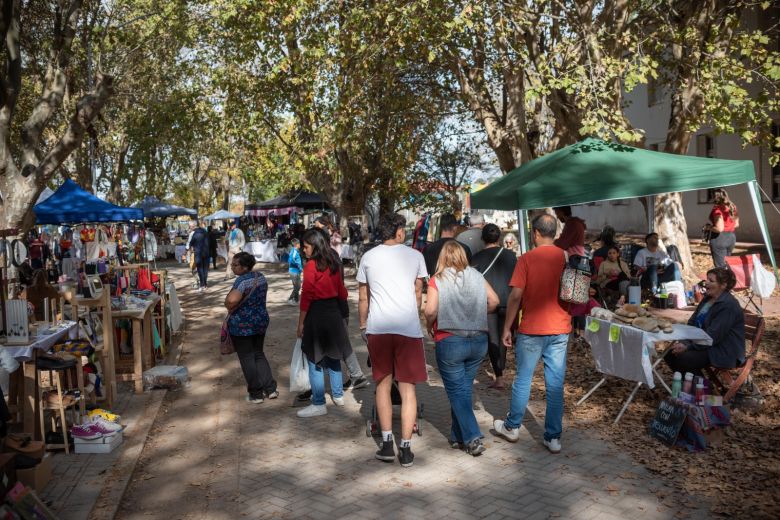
x,y
614,333
594,326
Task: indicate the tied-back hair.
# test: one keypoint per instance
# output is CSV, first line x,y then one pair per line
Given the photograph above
x,y
722,199
724,276
322,254
452,256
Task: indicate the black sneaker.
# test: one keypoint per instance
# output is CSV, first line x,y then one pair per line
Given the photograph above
x,y
386,453
405,456
305,396
475,447
360,382
347,385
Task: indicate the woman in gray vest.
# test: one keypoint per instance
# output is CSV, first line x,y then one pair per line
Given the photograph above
x,y
459,300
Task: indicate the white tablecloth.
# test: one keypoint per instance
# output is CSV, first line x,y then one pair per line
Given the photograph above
x,y
222,250
347,252
263,251
68,329
180,251
175,318
630,356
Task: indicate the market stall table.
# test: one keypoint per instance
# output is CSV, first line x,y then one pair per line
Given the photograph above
x,y
263,250
26,354
163,250
143,340
626,352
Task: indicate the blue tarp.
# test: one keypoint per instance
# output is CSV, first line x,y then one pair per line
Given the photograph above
x,y
72,205
154,207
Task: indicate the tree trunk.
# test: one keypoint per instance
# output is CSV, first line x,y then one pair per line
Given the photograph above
x,y
670,223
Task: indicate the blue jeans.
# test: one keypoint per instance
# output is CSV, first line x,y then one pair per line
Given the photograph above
x,y
528,350
651,278
458,359
317,379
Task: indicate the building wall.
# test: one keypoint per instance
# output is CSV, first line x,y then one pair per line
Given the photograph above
x,y
650,112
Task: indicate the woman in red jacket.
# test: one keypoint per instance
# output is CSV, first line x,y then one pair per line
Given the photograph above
x,y
724,221
321,321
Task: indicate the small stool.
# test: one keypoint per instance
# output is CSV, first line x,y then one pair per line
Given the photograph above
x,y
54,368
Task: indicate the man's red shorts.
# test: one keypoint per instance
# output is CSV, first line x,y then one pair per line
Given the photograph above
x,y
400,356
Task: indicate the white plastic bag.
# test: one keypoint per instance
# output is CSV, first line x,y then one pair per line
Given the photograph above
x,y
761,281
299,370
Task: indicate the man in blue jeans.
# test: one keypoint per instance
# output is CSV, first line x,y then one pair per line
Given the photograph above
x,y
543,333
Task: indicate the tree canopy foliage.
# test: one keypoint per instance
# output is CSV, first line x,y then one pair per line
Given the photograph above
x,y
196,101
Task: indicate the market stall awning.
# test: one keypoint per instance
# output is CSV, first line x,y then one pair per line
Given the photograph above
x,y
70,204
593,170
297,201
154,207
222,215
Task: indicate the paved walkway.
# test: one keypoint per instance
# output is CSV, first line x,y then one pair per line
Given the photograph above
x,y
213,455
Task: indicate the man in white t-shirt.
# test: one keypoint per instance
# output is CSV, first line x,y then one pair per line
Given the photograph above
x,y
654,264
391,277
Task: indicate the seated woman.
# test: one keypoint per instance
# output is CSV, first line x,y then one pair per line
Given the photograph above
x,y
614,273
719,315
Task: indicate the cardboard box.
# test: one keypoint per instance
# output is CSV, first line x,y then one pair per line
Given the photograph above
x,y
102,445
38,476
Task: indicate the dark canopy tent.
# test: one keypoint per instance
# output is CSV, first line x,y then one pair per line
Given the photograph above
x,y
594,170
304,200
154,207
70,204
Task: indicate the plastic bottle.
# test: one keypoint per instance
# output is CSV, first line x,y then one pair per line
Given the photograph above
x,y
676,385
687,386
700,393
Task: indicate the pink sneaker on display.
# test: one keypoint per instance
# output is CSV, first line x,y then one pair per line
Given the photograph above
x,y
85,432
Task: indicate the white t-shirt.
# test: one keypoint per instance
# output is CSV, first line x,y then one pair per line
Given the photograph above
x,y
391,272
658,258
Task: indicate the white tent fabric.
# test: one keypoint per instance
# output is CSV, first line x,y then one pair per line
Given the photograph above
x,y
221,215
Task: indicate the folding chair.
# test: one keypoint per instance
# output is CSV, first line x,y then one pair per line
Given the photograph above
x,y
742,267
729,380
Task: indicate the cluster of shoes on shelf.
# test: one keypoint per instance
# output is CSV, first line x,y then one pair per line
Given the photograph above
x,y
99,423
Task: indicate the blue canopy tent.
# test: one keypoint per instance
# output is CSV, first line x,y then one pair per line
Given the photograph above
x,y
154,207
70,204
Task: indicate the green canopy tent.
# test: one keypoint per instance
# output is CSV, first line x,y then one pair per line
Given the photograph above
x,y
594,170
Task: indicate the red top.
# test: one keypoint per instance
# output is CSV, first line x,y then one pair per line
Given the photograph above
x,y
538,273
438,335
572,239
320,285
729,224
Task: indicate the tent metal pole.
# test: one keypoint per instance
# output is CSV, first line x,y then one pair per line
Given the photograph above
x,y
522,230
758,206
651,214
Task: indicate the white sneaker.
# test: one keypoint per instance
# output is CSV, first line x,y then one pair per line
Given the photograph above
x,y
313,410
554,445
253,400
108,425
338,401
502,431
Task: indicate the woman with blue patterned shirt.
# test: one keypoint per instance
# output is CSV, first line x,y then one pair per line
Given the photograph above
x,y
247,325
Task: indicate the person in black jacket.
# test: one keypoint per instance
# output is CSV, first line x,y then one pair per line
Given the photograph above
x,y
719,315
497,265
214,236
199,245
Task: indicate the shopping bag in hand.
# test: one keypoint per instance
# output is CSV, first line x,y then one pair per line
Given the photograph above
x,y
299,370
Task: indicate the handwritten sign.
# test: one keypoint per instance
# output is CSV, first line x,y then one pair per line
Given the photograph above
x,y
668,420
614,333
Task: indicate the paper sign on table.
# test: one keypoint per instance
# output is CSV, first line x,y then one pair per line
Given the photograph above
x,y
593,326
614,333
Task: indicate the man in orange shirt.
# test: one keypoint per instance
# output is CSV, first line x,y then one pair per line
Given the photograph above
x,y
543,333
